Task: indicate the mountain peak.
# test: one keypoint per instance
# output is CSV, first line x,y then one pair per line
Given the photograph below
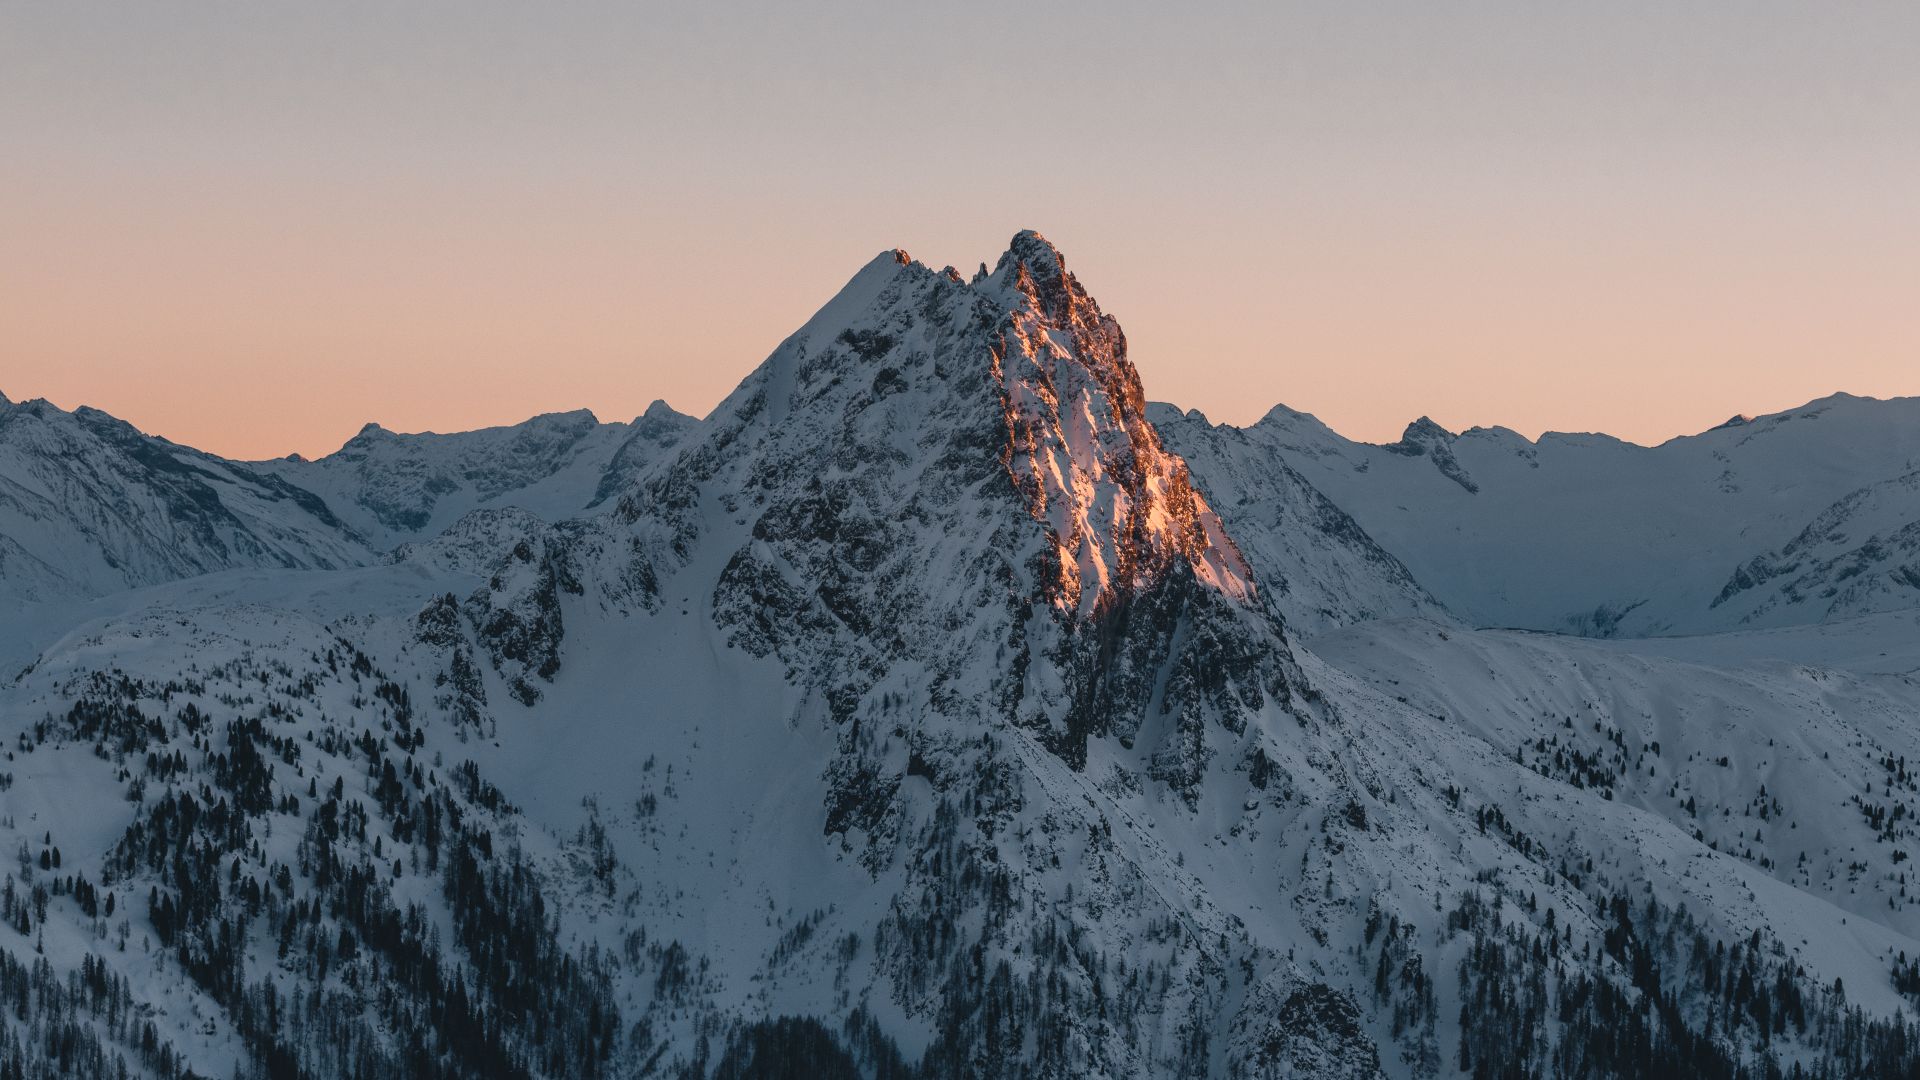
x,y
1081,450
1026,351
1035,250
1425,430
1424,438
1032,265
662,421
570,416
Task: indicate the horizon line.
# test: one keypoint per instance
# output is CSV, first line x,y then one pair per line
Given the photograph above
x,y
1733,420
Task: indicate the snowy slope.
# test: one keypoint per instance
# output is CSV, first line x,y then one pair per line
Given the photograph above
x,y
89,506
1591,535
1762,757
1319,565
392,487
1860,555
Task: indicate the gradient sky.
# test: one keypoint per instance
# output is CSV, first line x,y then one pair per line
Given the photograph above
x,y
253,227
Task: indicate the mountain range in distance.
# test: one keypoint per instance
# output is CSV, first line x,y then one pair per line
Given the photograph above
x,y
938,706
1801,516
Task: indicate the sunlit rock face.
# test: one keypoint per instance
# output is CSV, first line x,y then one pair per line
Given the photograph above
x,y
1120,508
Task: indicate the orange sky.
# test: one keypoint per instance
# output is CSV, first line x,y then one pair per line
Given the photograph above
x,y
254,233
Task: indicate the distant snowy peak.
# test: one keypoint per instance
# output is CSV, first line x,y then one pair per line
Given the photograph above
x,y
1425,432
90,505
1424,438
1314,561
1588,534
398,487
652,434
659,413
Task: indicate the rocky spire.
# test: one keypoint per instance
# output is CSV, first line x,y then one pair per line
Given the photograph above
x,y
1120,507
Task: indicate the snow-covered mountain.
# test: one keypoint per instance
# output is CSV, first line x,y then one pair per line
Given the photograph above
x,y
1795,517
1315,560
925,711
392,488
90,506
1860,555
